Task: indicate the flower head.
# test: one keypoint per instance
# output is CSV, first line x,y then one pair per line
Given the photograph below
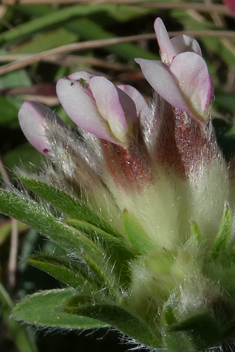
x,y
97,106
145,201
182,78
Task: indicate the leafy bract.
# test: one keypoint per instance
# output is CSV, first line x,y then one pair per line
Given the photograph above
x,y
113,315
72,273
66,203
136,235
28,211
222,239
45,309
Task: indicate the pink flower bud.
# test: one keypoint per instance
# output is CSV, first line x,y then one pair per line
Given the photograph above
x,y
169,48
182,79
34,119
97,106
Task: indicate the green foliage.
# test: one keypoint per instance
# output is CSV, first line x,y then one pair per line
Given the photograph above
x,y
116,249
71,273
66,203
47,41
198,332
31,213
45,309
113,315
221,242
20,156
9,108
135,234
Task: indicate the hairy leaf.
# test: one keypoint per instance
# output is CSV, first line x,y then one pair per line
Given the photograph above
x,y
45,309
115,316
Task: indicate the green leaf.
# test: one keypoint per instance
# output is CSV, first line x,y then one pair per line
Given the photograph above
x,y
9,107
107,241
136,235
220,48
38,24
66,203
221,242
46,41
168,316
194,334
114,316
179,342
105,283
67,271
45,309
224,101
54,18
124,13
35,10
117,250
19,78
24,209
21,157
94,232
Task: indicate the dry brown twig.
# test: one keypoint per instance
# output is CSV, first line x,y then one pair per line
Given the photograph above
x,y
92,44
69,60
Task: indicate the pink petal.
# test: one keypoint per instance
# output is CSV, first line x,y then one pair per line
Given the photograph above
x,y
161,79
183,43
231,5
134,94
164,42
194,81
108,103
175,46
128,105
33,122
80,75
81,108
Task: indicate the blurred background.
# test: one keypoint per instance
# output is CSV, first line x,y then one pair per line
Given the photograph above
x,y
43,40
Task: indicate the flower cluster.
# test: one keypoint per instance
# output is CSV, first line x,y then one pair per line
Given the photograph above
x,y
153,173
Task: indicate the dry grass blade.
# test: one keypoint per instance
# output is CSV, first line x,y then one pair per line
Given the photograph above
x,y
69,60
92,44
